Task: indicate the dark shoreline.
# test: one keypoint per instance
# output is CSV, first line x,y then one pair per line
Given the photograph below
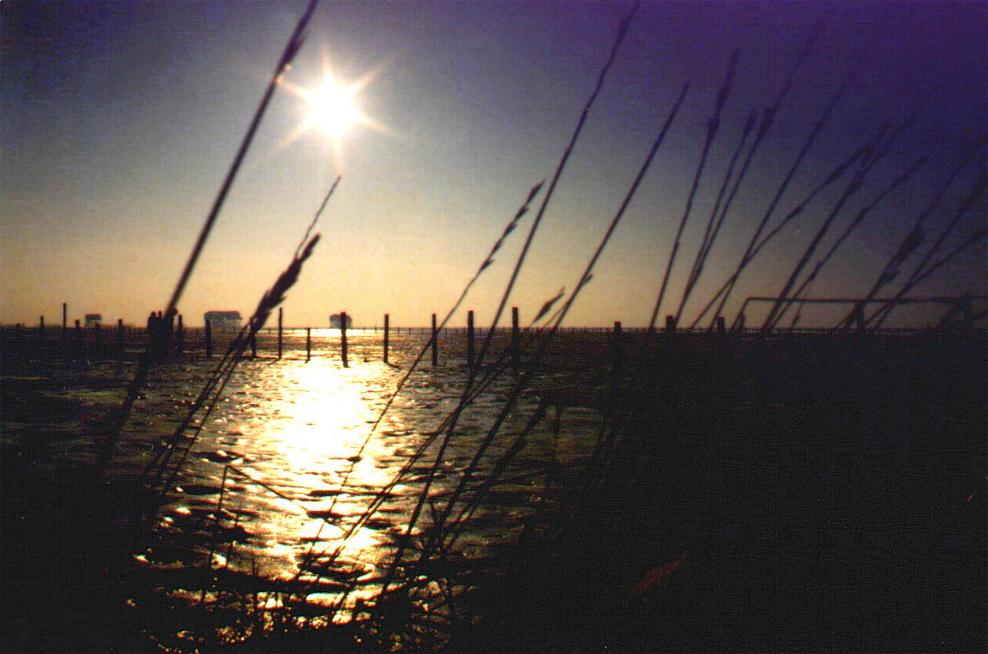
x,y
813,490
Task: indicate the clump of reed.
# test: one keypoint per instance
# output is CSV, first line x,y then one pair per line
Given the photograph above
x,y
640,434
644,512
166,462
295,41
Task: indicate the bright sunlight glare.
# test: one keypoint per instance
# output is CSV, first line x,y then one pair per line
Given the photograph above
x,y
333,107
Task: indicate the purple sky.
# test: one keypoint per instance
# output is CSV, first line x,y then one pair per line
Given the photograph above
x,y
118,122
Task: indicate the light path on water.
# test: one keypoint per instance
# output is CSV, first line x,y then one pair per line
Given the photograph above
x,y
284,437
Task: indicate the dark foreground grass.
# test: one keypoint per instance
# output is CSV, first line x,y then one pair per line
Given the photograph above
x,y
794,494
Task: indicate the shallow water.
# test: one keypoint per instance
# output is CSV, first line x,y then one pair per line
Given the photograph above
x,y
800,495
287,461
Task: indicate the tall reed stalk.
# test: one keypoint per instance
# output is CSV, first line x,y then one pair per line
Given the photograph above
x,y
725,292
716,216
292,48
485,264
160,472
488,261
914,239
549,336
859,218
713,125
164,471
785,303
491,373
854,185
533,229
966,204
883,149
794,213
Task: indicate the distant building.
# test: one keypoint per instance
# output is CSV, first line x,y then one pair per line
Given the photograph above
x,y
335,320
223,320
94,320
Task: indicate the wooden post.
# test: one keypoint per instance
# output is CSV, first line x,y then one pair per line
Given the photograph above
x,y
308,344
120,337
41,328
80,346
253,345
180,340
740,324
280,315
343,346
859,317
515,341
208,335
617,354
670,324
387,328
97,340
470,345
435,344
65,322
721,329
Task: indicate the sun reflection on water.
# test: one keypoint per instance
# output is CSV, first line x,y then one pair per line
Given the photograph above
x,y
321,413
305,425
287,464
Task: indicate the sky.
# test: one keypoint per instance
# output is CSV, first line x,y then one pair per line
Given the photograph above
x,y
119,120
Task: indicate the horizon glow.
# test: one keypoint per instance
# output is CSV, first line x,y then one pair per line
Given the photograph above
x,y
119,120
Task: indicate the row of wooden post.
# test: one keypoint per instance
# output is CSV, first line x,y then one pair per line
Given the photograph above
x,y
97,334
515,347
433,341
719,325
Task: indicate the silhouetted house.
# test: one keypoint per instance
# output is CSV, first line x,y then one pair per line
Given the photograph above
x,y
93,320
223,320
335,319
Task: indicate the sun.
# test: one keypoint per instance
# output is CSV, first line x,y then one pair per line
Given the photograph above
x,y
333,107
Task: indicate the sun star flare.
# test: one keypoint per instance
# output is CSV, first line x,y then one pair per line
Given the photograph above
x,y
333,108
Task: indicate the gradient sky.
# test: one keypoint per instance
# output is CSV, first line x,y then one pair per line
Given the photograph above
x,y
119,120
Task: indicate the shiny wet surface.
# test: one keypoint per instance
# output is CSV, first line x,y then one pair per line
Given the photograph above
x,y
814,484
284,466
